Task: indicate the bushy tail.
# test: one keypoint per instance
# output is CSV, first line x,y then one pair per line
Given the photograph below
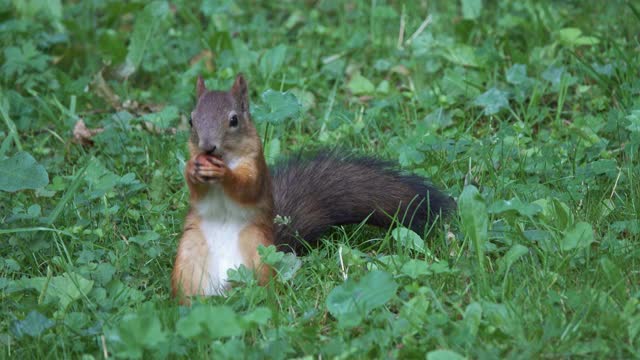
x,y
314,193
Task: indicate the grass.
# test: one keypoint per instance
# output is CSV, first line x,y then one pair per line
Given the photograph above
x,y
526,112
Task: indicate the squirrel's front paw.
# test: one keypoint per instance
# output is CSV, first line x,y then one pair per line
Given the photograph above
x,y
205,169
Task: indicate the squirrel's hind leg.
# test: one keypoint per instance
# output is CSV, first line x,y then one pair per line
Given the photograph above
x,y
190,276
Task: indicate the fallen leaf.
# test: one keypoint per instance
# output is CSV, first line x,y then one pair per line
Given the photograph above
x,y
82,134
206,56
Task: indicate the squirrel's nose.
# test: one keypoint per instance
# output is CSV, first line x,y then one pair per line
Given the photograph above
x,y
208,148
211,150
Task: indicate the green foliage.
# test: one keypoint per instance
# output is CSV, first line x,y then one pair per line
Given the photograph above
x,y
352,301
137,332
32,325
286,265
444,355
410,240
360,85
22,60
62,290
21,171
580,236
276,107
474,221
573,36
272,61
526,112
492,101
218,322
145,36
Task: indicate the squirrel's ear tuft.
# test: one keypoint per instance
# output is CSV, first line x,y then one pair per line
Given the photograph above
x,y
200,87
240,92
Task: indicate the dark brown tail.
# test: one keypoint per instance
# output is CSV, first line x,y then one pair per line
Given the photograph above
x,y
314,193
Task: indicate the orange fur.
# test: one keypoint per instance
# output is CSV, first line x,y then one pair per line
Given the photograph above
x,y
248,185
191,261
243,184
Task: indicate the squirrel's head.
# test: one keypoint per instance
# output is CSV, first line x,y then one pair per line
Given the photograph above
x,y
221,123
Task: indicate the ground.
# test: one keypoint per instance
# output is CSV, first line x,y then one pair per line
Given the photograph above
x,y
526,112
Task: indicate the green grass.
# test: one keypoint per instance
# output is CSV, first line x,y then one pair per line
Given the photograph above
x,y
527,112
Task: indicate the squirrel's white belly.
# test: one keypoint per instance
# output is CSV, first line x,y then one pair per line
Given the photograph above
x,y
222,220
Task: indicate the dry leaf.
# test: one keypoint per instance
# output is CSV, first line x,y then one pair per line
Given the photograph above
x,y
82,134
205,55
400,69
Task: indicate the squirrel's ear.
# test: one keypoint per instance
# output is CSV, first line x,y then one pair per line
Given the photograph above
x,y
200,87
240,92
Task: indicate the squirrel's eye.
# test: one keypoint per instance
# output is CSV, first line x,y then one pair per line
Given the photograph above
x,y
234,121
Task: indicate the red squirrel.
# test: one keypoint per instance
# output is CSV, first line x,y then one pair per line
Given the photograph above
x,y
234,198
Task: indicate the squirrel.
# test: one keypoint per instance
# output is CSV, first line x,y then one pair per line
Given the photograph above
x,y
234,197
